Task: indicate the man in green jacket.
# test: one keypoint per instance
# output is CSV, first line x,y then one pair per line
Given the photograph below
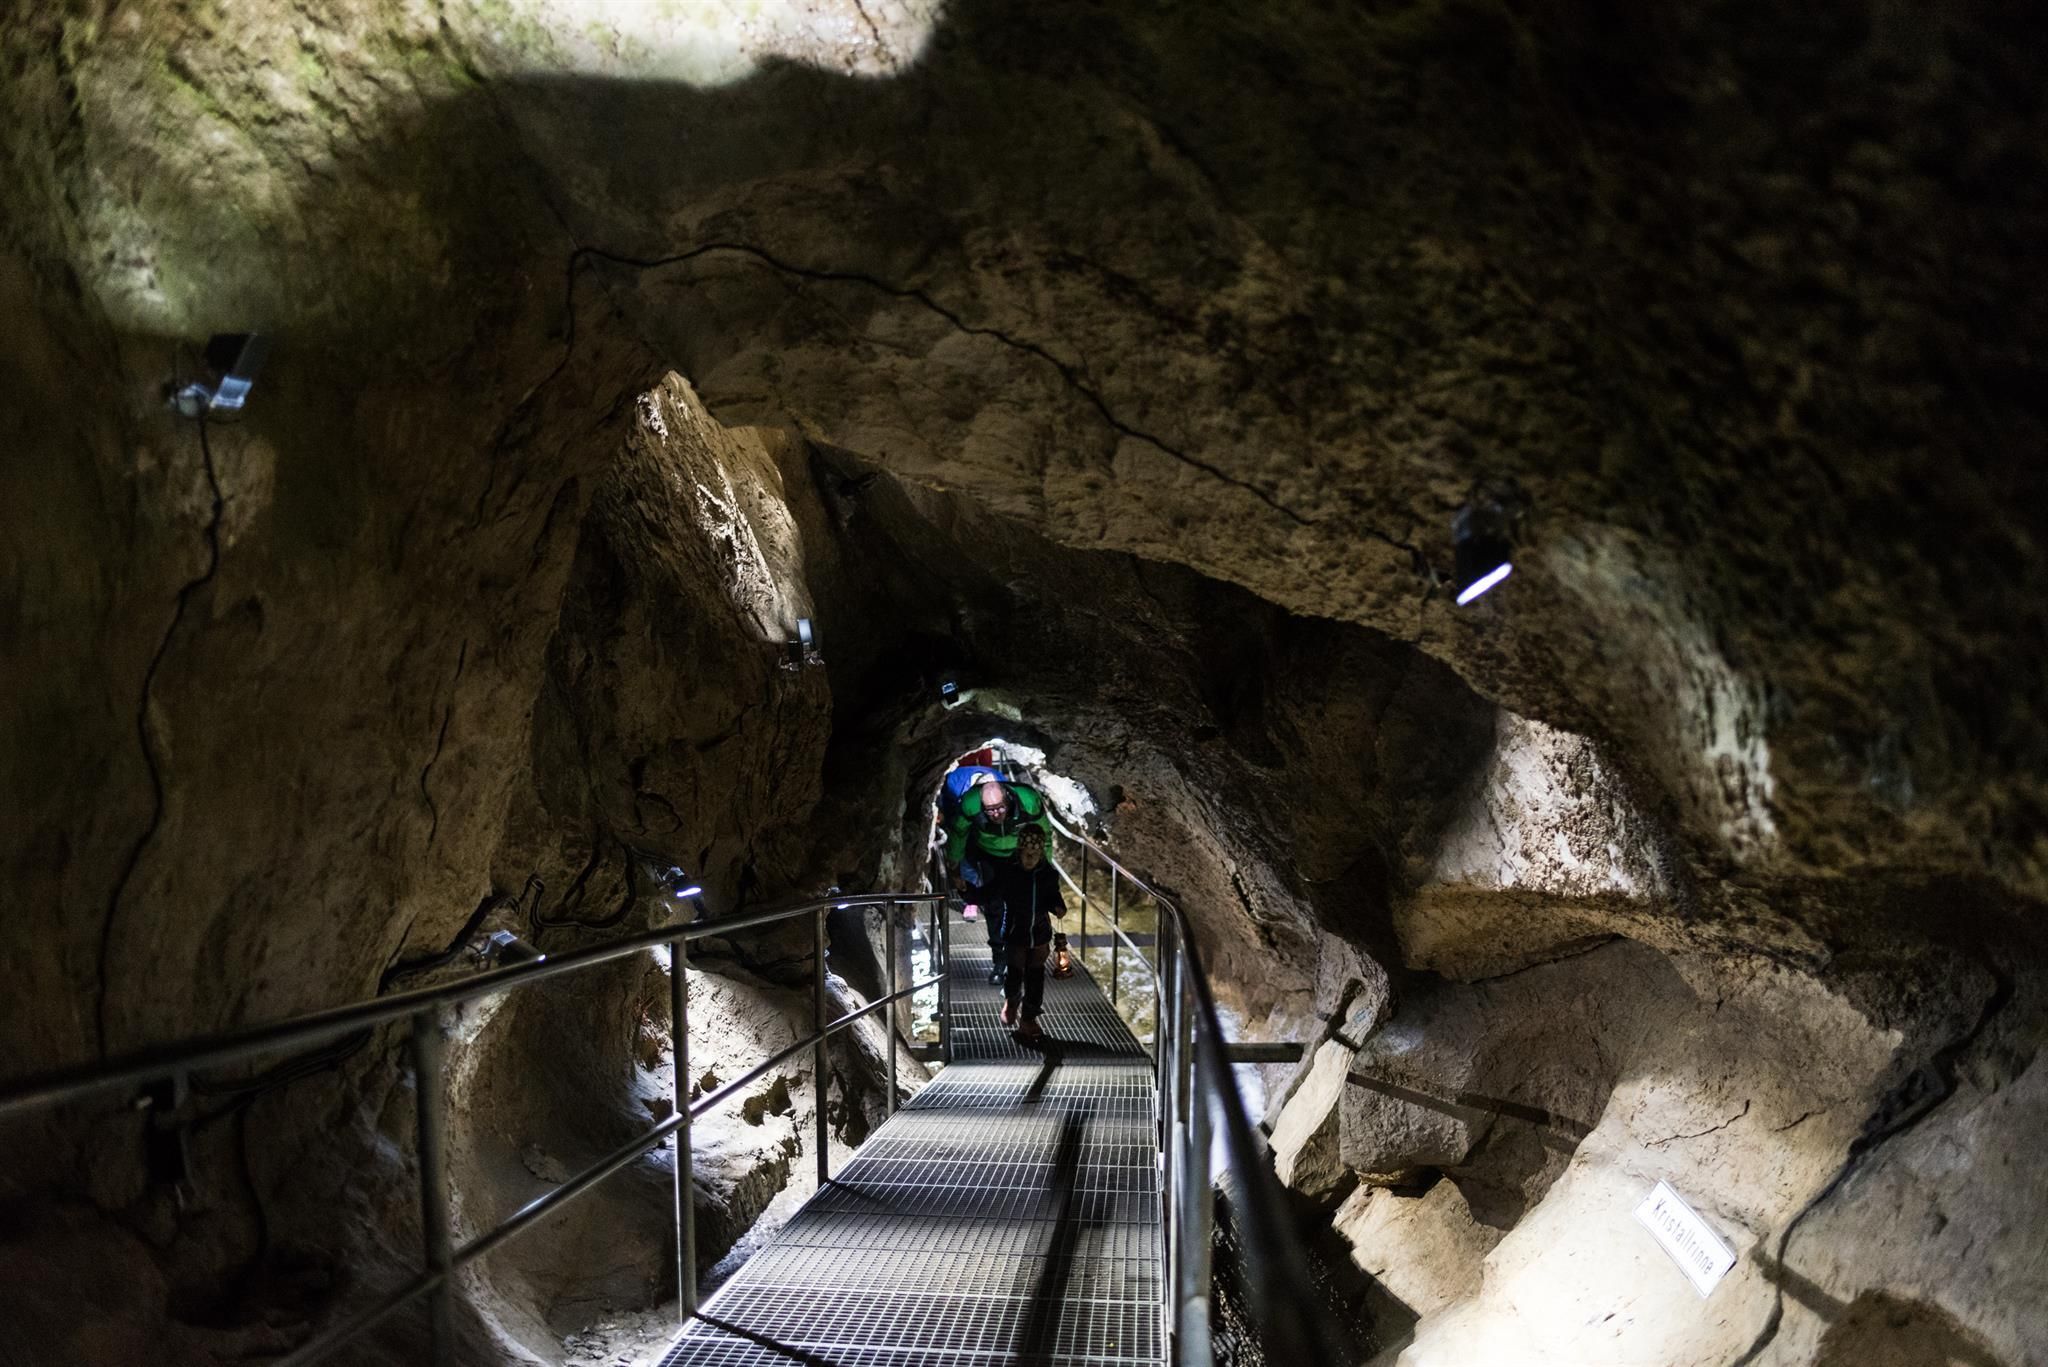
x,y
985,829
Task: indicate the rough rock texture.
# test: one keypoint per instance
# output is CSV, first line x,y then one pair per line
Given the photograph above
x,y
1129,363
1425,1249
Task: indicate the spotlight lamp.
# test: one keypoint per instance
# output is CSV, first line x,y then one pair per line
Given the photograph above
x,y
1482,535
804,649
233,360
949,692
502,949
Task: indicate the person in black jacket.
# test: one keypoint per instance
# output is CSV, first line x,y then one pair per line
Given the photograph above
x,y
1029,893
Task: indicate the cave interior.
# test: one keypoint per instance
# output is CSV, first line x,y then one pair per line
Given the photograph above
x,y
1132,384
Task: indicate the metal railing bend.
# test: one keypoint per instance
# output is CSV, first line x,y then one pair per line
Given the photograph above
x,y
1192,1059
428,1009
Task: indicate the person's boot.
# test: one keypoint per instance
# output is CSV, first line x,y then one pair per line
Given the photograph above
x,y
1030,1029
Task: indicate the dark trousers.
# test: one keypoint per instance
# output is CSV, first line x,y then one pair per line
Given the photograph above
x,y
1026,977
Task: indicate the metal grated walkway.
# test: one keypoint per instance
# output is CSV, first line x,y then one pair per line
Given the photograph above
x,y
1009,1213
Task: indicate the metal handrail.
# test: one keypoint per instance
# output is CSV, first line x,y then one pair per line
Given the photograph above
x,y
428,1010
1191,1054
58,1085
1158,985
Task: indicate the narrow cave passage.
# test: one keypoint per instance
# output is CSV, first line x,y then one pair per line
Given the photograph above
x,y
487,481
1489,1001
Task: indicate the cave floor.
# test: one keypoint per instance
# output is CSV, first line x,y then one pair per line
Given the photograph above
x,y
1009,1212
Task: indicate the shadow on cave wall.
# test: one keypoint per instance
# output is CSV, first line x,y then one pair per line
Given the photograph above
x,y
1880,1328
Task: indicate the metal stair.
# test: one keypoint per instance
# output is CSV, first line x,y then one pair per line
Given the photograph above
x,y
1010,1212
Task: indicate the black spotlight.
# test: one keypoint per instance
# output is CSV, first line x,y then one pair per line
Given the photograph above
x,y
233,358
1483,535
502,949
804,649
949,692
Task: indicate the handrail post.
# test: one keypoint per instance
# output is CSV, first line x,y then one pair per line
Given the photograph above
x,y
1166,968
1081,945
1184,1081
819,1055
1084,894
1116,922
889,938
1202,1229
429,1047
1198,1195
1165,1031
685,1183
945,918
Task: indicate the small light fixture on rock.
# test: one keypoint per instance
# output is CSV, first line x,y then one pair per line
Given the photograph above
x,y
949,692
1482,534
680,887
233,358
502,949
803,650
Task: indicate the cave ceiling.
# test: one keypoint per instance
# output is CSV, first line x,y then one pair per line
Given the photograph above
x,y
1263,292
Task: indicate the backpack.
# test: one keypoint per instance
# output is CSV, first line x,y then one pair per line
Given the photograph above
x,y
959,784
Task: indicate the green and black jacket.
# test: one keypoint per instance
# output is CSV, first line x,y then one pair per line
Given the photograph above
x,y
971,831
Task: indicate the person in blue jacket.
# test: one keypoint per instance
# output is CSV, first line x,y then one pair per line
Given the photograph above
x,y
1028,891
967,874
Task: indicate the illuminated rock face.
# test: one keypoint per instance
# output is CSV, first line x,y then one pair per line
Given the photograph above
x,y
1131,365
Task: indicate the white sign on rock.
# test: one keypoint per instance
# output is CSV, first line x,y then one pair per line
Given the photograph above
x,y
1690,1241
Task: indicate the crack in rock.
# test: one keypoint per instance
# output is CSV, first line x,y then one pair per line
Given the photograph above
x,y
888,56
441,740
1701,1134
1067,372
1917,1096
215,514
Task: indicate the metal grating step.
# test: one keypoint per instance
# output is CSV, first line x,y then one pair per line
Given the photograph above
x,y
1008,1216
988,1203
1076,1011
1102,1146
884,1232
878,1177
826,1321
715,1349
910,1271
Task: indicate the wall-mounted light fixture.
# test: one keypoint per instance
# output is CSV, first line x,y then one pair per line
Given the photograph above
x,y
949,692
233,359
804,649
1482,534
502,949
